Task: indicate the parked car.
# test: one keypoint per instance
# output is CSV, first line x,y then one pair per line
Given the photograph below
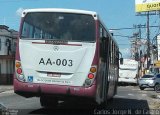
x,y
150,81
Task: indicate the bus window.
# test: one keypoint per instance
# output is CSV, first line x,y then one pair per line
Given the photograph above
x,y
37,33
27,30
62,26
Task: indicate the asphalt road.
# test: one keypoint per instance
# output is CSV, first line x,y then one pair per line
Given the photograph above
x,y
129,100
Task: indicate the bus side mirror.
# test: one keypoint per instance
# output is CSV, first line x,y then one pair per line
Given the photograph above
x,y
121,60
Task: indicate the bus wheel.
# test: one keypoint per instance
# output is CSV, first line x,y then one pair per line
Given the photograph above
x,y
102,105
48,102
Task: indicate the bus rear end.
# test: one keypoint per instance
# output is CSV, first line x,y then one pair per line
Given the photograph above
x,y
55,54
128,71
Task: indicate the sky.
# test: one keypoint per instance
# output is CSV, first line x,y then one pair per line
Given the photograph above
x,y
115,14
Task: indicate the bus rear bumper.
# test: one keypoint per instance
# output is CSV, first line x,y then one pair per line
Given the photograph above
x,y
30,90
127,80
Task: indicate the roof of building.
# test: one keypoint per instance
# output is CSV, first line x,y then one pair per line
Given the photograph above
x,y
4,27
5,31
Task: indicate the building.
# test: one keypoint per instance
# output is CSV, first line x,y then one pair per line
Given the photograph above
x,y
7,54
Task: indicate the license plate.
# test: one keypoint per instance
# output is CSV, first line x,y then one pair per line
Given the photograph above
x,y
53,74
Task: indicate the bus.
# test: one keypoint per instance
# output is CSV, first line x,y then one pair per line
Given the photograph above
x,y
128,72
63,54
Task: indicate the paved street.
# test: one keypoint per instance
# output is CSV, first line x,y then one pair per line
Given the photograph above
x,y
128,98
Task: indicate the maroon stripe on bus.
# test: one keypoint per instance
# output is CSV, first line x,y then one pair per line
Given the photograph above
x,y
17,50
58,44
96,56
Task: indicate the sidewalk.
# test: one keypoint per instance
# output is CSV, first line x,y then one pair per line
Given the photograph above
x,y
4,88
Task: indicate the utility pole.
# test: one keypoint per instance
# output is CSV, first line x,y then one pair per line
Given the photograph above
x,y
139,26
137,36
147,14
148,33
136,55
140,50
148,41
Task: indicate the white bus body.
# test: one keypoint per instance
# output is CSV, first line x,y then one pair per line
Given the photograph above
x,y
128,71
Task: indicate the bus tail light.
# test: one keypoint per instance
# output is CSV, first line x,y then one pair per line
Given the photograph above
x,y
18,64
91,76
93,69
19,71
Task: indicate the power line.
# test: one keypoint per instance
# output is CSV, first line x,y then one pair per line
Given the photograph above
x,y
124,36
131,28
124,44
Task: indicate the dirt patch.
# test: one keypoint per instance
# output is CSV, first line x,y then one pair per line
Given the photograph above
x,y
154,101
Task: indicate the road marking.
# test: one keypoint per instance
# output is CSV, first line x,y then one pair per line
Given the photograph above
x,y
130,94
144,95
135,89
120,96
9,91
31,98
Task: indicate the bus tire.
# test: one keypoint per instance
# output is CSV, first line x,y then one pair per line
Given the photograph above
x,y
48,102
103,104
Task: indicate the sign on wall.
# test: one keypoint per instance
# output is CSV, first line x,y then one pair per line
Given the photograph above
x,y
147,5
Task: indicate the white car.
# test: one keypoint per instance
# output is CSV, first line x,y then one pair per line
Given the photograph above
x,y
150,81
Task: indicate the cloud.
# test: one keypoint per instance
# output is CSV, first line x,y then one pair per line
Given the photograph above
x,y
19,11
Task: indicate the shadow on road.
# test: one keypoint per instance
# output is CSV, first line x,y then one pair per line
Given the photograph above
x,y
116,106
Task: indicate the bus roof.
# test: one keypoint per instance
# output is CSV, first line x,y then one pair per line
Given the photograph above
x,y
60,10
